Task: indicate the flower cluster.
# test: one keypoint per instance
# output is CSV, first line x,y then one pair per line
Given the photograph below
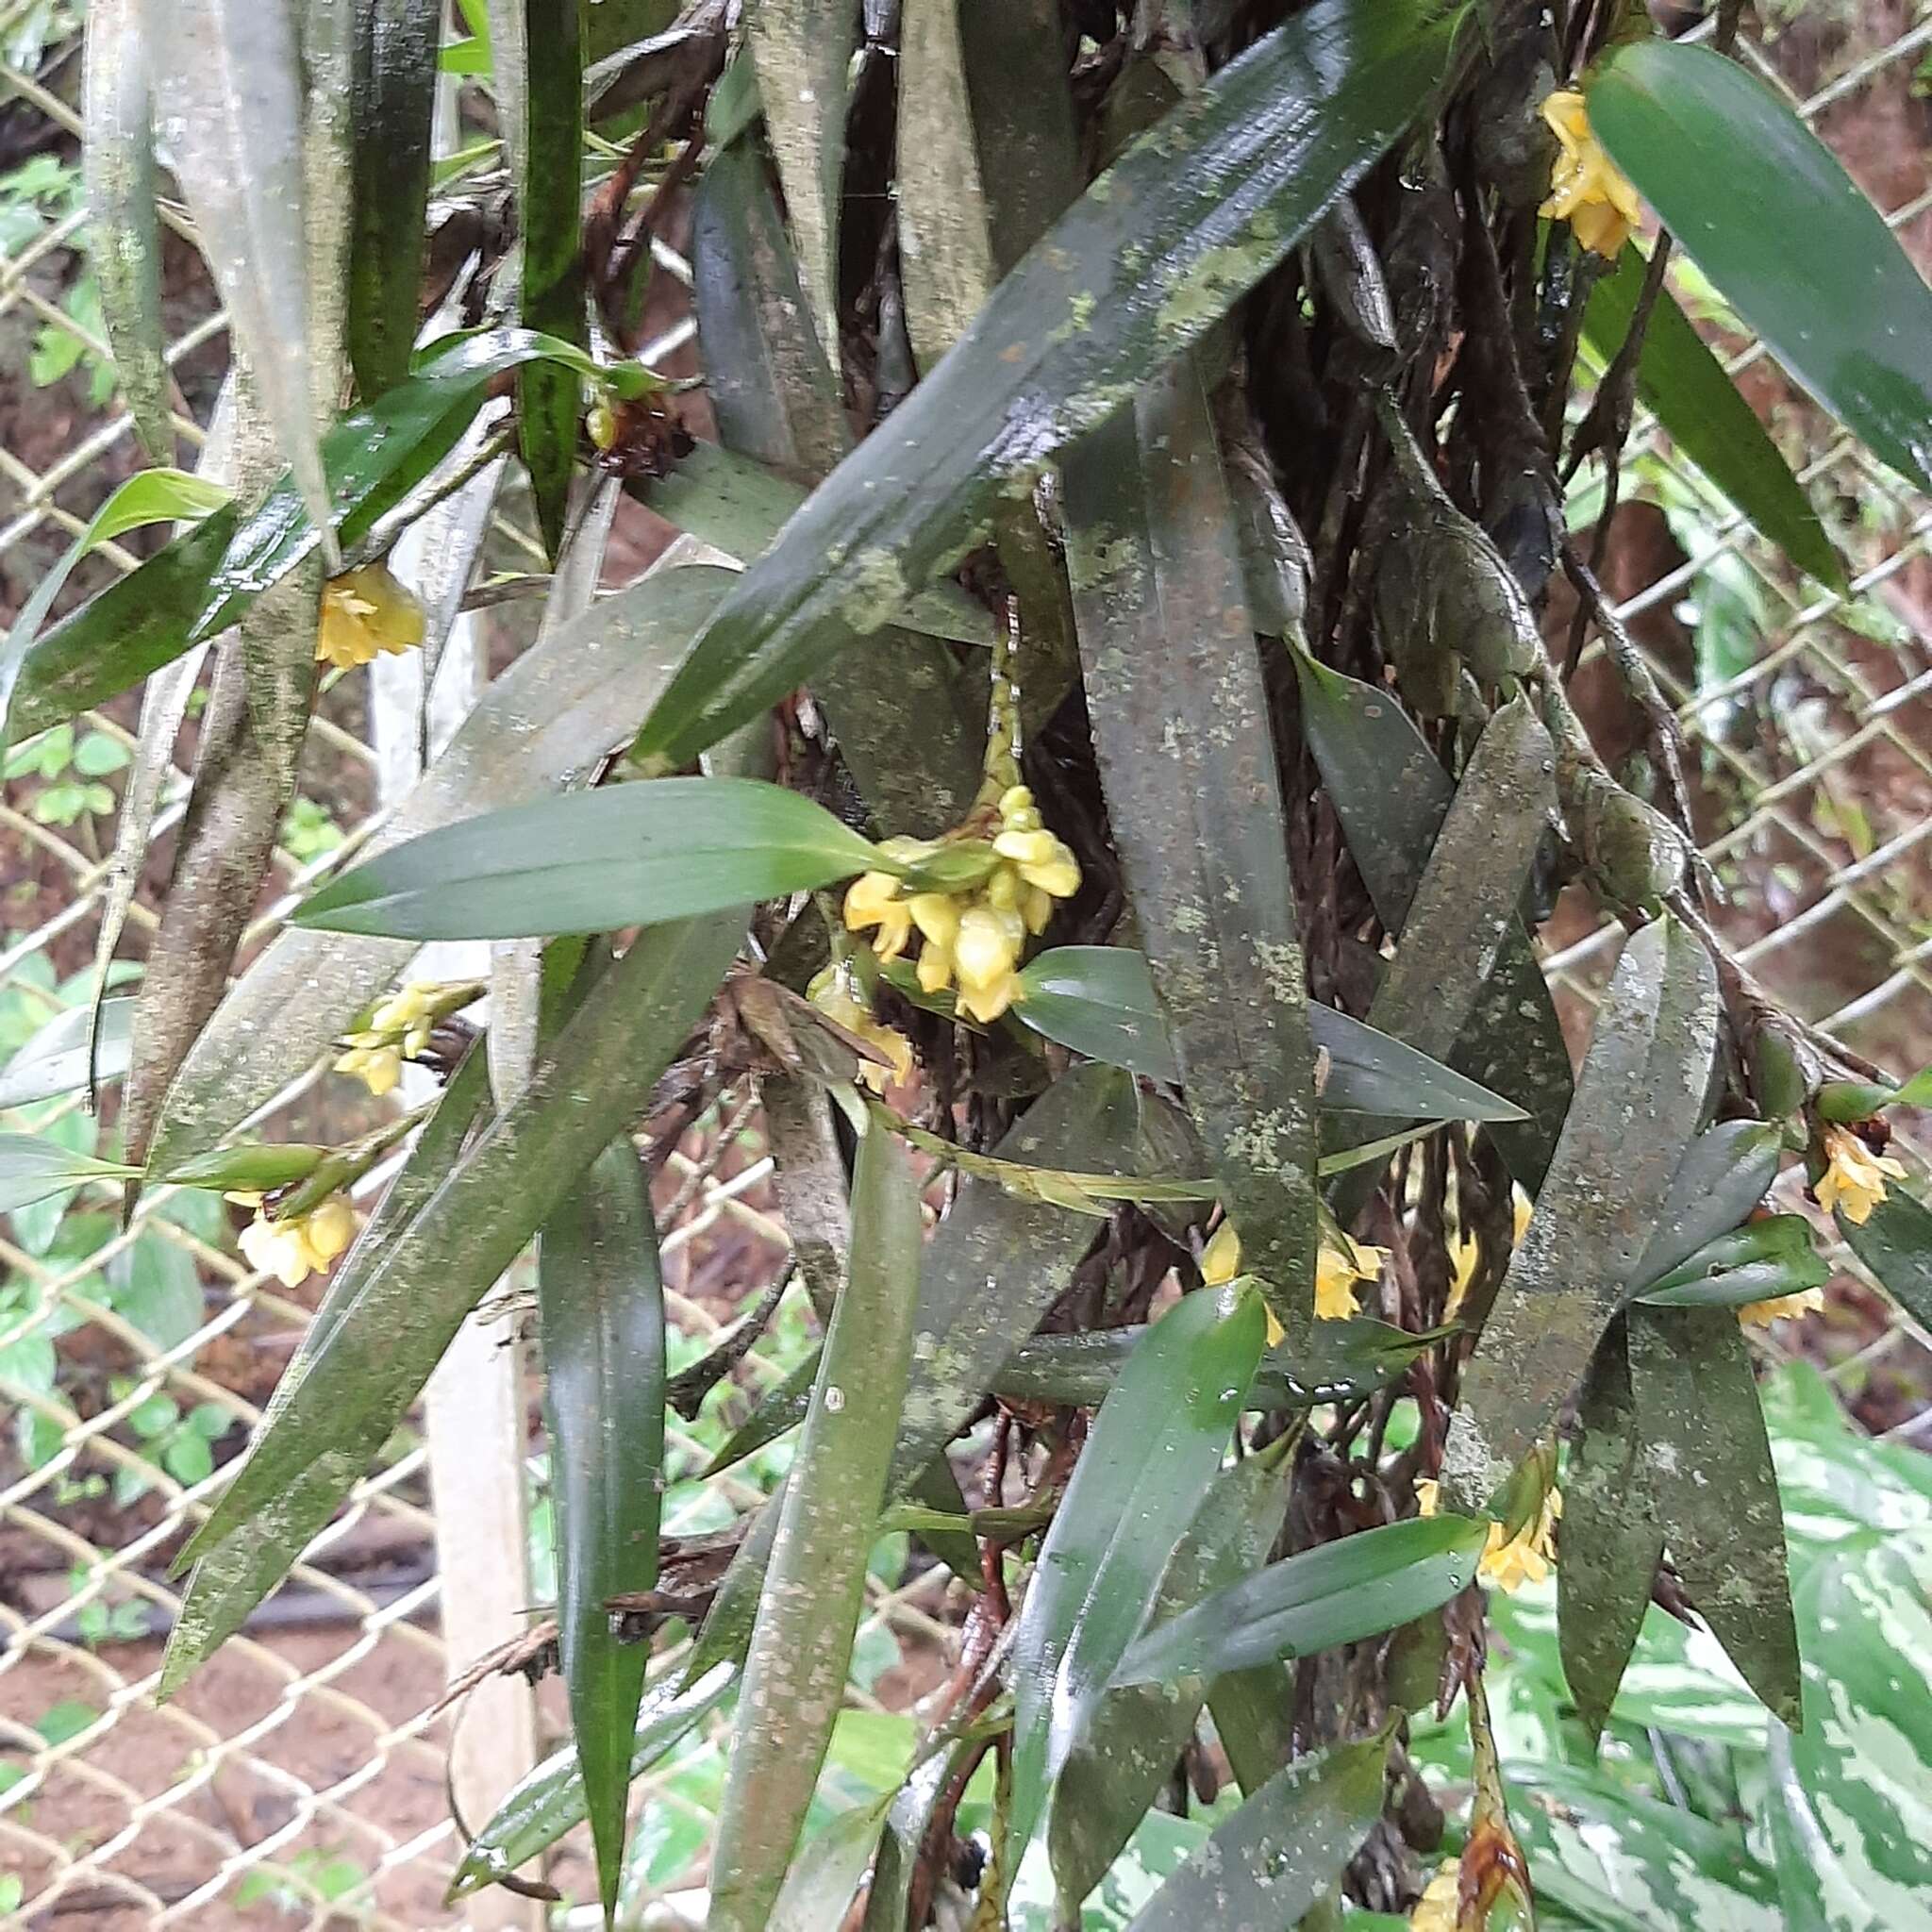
x,y
835,994
1586,188
364,612
397,1029
1337,1272
972,937
1510,1561
302,1245
1853,1179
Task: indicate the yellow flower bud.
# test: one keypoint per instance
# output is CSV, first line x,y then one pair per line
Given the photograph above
x,y
378,1068
1044,861
936,914
1036,908
364,612
988,947
1221,1259
987,1003
935,966
1004,889
602,424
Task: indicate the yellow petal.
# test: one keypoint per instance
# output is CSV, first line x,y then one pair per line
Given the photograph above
x,y
1221,1259
1781,1307
936,914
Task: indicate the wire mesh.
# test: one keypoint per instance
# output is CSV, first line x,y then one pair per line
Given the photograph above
x,y
303,1769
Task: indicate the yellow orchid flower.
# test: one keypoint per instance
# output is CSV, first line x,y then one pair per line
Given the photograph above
x,y
304,1244
364,612
1586,188
1436,1911
1508,1562
1335,1273
1781,1307
1853,1179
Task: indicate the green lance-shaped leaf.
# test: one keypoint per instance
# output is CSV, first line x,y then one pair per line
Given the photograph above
x,y
1611,1539
1705,1457
201,583
118,156
228,93
1391,798
55,1059
739,507
547,721
1757,1262
1691,394
1268,1863
414,1293
1847,1820
800,52
1150,1457
1463,908
671,848
901,1842
228,1583
1129,1746
1681,121
550,204
794,1674
828,1870
1180,728
392,105
1140,268
1636,1109
149,496
600,1307
32,1167
1337,1592
549,1801
1100,1001
1721,1177
1894,1243
894,704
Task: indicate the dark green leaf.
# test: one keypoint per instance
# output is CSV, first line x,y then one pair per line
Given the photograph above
x,y
587,683
1636,1109
1680,120
1761,1261
794,1673
1133,1737
1180,715
673,848
1263,1867
781,1408
1706,1460
1337,1592
1391,798
550,198
1149,1458
414,1290
1611,1539
549,1801
1721,1177
118,153
600,1304
1149,259
1894,1242
392,104
1692,396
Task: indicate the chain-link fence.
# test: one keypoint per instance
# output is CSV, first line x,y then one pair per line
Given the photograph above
x,y
301,1774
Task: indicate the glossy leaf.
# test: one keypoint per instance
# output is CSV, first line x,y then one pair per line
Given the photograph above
x,y
54,1060
391,107
1706,1460
671,848
547,721
1391,798
414,1291
230,110
1724,1175
800,52
1180,715
118,158
1268,1863
1151,1453
1692,395
1761,1261
794,1673
32,1167
1611,1540
1636,1108
600,1307
550,1801
549,287
1337,1592
1676,119
1202,210
1133,1737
